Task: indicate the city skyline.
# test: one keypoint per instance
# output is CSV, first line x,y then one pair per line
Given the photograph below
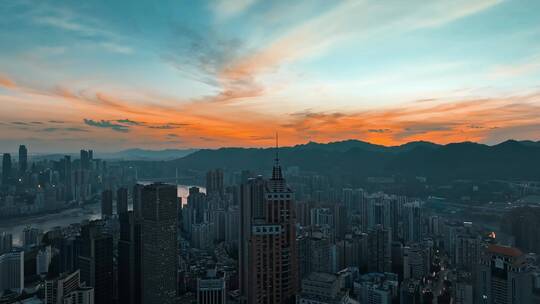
x,y
270,152
231,73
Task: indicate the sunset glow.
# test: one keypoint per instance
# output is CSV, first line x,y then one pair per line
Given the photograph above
x,y
181,74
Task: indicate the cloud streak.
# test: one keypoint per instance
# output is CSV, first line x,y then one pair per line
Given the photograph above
x,y
106,124
445,122
6,82
224,9
349,19
68,129
440,120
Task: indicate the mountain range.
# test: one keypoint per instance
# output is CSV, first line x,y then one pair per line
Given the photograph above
x,y
358,159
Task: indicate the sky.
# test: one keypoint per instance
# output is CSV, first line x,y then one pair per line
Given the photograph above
x,y
111,75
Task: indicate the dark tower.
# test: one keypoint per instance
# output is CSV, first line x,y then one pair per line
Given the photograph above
x,y
214,183
96,261
106,203
23,159
6,168
129,259
68,177
85,160
251,207
121,200
159,243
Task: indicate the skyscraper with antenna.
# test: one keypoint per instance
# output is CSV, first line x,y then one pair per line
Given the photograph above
x,y
273,267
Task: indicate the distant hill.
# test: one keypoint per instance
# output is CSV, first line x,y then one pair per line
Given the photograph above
x,y
128,155
346,145
142,154
357,159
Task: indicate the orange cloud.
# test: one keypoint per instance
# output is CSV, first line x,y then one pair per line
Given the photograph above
x,y
445,122
466,120
7,82
160,122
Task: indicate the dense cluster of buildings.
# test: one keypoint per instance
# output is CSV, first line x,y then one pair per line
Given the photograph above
x,y
54,184
252,239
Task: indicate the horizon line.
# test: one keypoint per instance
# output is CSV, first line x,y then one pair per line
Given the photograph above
x,y
268,147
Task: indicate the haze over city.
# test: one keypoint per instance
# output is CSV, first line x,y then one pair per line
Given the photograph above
x,y
196,74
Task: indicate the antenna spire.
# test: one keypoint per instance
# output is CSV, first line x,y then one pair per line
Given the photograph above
x,y
277,148
276,171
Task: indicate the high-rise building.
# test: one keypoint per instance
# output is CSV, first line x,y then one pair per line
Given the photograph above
x,y
341,220
363,208
214,183
85,160
377,212
81,185
12,271
121,200
211,289
377,288
273,260
65,251
32,237
348,199
202,235
412,222
67,177
379,249
6,169
397,259
106,203
303,215
322,217
96,261
232,224
416,261
468,246
393,219
450,231
43,260
188,219
197,202
303,244
316,254
322,288
137,203
81,295
129,259
159,243
251,206
358,256
6,242
522,223
503,276
462,290
23,159
434,225
67,288
217,217
410,292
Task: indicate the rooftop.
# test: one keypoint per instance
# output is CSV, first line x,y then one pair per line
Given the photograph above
x,y
505,250
322,277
